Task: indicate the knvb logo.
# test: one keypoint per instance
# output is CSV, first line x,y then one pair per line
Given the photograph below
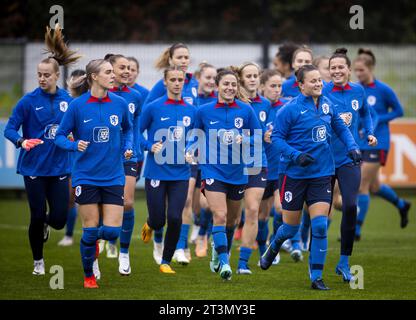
x,y
58,16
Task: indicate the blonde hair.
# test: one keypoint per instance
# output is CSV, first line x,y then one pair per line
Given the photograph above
x,y
60,54
83,83
163,61
303,48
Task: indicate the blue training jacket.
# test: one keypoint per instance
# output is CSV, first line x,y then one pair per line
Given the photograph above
x,y
39,114
135,103
301,126
143,91
349,101
272,152
189,91
170,121
220,157
203,99
384,101
261,107
106,124
290,88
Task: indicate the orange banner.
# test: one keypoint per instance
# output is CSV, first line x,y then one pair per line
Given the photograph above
x,y
400,170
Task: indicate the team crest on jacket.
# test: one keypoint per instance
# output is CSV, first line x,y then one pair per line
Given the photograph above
x,y
114,120
325,108
132,107
371,100
194,92
355,105
154,183
288,196
238,122
63,106
78,191
186,121
262,116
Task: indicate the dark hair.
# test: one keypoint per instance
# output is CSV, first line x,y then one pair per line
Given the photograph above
x,y
303,70
367,57
84,82
163,61
171,68
112,58
267,74
60,55
134,60
241,93
78,73
285,53
341,53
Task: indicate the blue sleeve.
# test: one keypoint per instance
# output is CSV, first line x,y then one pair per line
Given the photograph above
x,y
254,126
15,122
145,120
394,104
374,117
365,115
67,126
343,132
157,91
127,129
281,128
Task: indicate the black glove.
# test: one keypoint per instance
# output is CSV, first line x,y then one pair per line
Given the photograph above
x,y
304,159
355,155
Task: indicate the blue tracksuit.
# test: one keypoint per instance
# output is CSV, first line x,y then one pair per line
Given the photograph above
x,y
135,102
300,126
203,99
272,153
106,124
39,114
143,91
290,88
170,121
261,107
384,101
189,91
349,100
221,123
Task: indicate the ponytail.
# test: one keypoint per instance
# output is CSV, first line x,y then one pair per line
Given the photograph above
x,y
59,53
163,61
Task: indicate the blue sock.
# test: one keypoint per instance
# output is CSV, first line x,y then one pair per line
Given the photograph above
x,y
126,231
319,246
158,235
183,237
363,203
165,262
305,227
108,233
285,232
197,218
277,222
344,260
261,240
87,249
387,193
70,221
210,226
230,236
296,240
203,222
220,242
245,254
